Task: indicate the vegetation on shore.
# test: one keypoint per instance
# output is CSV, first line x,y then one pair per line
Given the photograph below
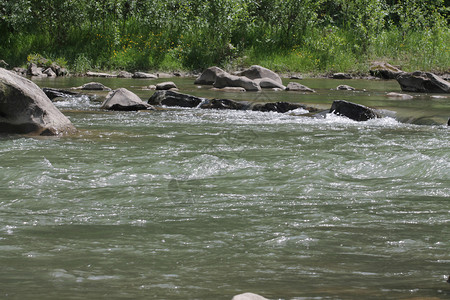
x,y
314,36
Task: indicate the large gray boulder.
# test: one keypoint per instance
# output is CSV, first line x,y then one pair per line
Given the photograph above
x,y
208,77
255,72
171,98
423,82
124,100
25,109
226,80
353,111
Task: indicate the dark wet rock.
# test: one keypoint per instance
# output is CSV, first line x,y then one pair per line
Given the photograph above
x,y
224,104
124,74
268,83
384,70
172,98
341,76
423,82
448,124
49,72
94,86
166,85
102,75
279,107
208,77
124,100
25,109
256,72
227,80
344,87
56,93
143,75
297,87
249,296
353,111
399,96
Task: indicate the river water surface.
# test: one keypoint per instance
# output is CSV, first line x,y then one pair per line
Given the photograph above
x,y
207,204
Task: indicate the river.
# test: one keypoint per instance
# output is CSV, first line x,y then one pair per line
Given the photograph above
x,y
207,204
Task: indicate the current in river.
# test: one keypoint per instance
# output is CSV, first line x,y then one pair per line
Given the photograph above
x,y
207,204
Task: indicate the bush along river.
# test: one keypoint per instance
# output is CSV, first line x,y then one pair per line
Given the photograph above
x,y
188,203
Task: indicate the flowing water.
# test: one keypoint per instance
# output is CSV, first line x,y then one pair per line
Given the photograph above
x,y
207,204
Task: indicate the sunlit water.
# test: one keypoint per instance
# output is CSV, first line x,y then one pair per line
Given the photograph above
x,y
206,204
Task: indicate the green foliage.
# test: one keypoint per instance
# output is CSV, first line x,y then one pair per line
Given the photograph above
x,y
300,35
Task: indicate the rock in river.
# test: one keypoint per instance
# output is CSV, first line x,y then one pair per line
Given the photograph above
x,y
226,80
256,72
24,108
248,296
353,111
124,100
171,98
208,77
423,82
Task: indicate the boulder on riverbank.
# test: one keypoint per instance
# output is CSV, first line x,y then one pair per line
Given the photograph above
x,y
423,82
124,100
341,76
353,111
384,70
25,109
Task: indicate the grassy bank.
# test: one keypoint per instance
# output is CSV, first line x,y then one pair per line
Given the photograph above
x,y
287,36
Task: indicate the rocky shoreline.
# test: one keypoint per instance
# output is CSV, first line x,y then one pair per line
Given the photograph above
x,y
25,108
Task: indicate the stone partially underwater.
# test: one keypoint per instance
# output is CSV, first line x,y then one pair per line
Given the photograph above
x,y
423,82
343,108
26,109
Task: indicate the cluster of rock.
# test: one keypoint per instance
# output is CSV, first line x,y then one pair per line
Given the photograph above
x,y
254,78
41,70
137,75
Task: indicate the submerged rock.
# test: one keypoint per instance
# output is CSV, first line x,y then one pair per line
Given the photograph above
x,y
344,87
279,107
124,100
24,108
297,87
249,296
224,104
208,77
353,111
172,98
399,96
423,82
56,93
